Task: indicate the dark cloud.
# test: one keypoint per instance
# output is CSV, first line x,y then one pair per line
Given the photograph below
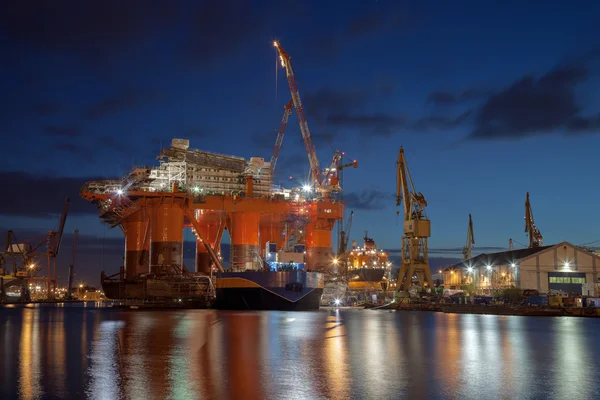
x,y
328,101
367,199
23,200
90,29
62,131
111,105
532,106
69,147
374,22
45,109
385,125
448,98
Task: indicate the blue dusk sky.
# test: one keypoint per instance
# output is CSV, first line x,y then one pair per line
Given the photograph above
x,y
490,99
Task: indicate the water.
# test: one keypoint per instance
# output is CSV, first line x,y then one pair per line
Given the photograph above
x,y
74,353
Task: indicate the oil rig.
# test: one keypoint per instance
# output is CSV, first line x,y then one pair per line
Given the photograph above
x,y
271,228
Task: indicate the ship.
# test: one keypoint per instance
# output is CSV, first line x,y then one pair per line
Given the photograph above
x,y
368,267
292,290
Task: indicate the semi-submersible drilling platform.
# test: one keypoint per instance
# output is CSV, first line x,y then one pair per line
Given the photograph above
x,y
280,238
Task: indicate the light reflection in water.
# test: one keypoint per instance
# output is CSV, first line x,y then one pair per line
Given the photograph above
x,y
30,373
105,360
280,355
336,358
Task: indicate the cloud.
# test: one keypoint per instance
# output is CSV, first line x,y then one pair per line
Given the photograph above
x,y
367,199
531,106
61,131
111,105
326,101
384,125
90,29
374,22
448,98
45,109
23,200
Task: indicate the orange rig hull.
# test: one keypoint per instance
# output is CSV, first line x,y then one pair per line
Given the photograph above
x,y
153,223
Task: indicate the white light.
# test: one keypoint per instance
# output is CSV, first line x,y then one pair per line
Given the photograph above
x,y
567,264
470,269
513,265
306,188
338,302
489,267
196,189
119,192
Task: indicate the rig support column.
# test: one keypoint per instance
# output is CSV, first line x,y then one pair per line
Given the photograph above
x,y
137,243
167,238
244,240
318,247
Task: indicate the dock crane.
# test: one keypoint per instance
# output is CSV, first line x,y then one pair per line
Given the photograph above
x,y
72,267
535,237
327,182
417,229
280,132
345,234
470,241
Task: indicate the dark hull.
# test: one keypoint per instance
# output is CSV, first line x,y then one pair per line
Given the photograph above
x,y
367,274
262,299
286,291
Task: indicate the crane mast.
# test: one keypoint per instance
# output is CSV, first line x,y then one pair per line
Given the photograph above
x,y
280,132
72,266
535,236
415,260
310,148
470,241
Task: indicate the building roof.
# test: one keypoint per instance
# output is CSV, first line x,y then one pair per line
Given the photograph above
x,y
500,258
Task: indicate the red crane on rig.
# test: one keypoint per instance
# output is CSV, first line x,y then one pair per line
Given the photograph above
x,y
280,132
329,181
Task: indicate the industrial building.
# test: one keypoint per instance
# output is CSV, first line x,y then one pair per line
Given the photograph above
x,y
562,267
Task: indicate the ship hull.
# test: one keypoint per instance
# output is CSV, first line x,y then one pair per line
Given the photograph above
x,y
285,291
367,274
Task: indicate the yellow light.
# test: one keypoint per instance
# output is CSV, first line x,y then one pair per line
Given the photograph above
x,y
275,43
32,266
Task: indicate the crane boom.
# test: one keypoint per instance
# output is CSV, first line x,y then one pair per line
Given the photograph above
x,y
310,148
535,236
470,241
280,132
61,227
414,202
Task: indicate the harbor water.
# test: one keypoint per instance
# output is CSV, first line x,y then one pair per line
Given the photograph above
x,y
77,352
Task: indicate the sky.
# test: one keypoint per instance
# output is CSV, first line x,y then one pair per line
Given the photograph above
x,y
490,100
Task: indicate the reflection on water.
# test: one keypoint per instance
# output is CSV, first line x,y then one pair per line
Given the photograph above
x,y
73,353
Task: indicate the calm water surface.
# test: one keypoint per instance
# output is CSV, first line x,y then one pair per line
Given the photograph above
x,y
75,353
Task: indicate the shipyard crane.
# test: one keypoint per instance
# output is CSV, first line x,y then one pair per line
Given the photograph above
x,y
417,229
470,241
535,237
345,235
322,181
72,266
280,132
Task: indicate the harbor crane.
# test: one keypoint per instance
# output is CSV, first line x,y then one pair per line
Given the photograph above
x,y
417,228
470,241
535,236
327,182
